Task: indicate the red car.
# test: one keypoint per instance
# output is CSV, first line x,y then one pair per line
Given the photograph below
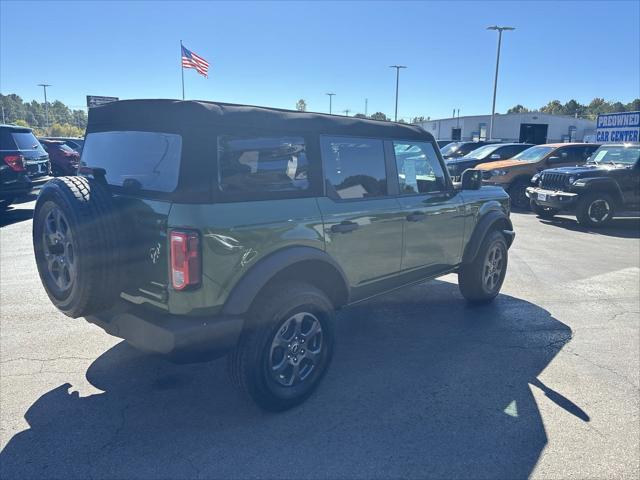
x,y
64,160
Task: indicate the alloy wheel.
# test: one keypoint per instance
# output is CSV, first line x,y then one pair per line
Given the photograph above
x,y
493,266
599,211
296,349
59,250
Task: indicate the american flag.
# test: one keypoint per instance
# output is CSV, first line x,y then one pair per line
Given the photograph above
x,y
191,60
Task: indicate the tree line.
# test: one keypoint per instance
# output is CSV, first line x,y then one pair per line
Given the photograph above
x,y
63,121
575,108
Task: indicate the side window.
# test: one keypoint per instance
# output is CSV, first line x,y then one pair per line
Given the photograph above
x,y
254,165
510,151
586,153
562,155
354,167
419,170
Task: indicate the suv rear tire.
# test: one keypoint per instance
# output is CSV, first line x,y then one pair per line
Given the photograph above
x,y
542,212
76,239
480,281
595,209
287,347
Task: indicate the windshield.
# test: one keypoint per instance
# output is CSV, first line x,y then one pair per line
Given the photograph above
x,y
533,154
616,154
451,148
482,152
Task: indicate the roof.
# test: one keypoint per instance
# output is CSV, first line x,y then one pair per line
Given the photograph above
x,y
179,115
15,127
556,145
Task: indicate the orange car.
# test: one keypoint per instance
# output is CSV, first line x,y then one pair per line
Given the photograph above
x,y
514,175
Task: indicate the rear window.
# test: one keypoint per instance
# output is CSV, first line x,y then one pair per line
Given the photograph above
x,y
145,160
11,139
261,165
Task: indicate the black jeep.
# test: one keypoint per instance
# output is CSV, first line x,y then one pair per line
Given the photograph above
x,y
606,185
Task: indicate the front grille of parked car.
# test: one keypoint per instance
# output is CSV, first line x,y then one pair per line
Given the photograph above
x,y
553,181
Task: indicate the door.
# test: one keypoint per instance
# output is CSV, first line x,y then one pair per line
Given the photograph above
x,y
533,133
362,222
434,219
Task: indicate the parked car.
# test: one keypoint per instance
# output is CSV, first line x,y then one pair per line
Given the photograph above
x,y
606,185
459,149
64,160
24,163
243,235
493,152
443,143
74,143
515,175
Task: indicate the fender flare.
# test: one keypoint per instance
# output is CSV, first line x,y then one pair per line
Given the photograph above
x,y
600,184
249,286
489,221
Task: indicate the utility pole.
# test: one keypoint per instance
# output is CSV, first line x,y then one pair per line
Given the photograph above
x,y
458,122
397,67
46,105
3,120
346,112
495,80
330,98
366,105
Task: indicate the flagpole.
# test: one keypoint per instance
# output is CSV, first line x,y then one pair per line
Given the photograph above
x,y
181,69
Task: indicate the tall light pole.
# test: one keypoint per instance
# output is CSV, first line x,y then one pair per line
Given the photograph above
x,y
330,98
397,67
495,80
46,105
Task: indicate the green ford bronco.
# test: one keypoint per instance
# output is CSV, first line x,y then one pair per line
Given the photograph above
x,y
197,229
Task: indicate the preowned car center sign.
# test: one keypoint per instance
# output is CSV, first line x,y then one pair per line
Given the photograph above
x,y
618,127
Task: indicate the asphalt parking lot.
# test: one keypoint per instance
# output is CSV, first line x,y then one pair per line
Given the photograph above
x,y
542,383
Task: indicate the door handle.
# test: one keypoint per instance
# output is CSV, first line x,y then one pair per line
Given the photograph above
x,y
344,227
416,216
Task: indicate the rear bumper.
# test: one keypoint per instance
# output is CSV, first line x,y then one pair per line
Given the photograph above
x,y
179,338
552,199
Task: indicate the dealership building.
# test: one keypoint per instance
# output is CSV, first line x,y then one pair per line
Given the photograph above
x,y
530,127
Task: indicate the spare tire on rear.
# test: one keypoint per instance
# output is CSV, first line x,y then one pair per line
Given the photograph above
x,y
76,239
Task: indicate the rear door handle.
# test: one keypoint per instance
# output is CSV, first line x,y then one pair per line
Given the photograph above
x,y
416,216
344,227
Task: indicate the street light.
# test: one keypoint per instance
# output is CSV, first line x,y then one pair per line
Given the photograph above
x,y
495,80
397,67
46,105
330,98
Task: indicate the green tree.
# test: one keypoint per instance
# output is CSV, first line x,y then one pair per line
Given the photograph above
x,y
518,109
301,105
379,116
554,107
572,107
633,106
359,115
65,130
419,119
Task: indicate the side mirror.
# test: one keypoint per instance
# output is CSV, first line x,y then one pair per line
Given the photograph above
x,y
554,159
471,179
495,156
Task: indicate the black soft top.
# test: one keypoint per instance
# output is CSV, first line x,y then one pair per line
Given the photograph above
x,y
178,116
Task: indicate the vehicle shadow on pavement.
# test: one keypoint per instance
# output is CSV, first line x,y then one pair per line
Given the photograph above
x,y
617,227
421,385
15,215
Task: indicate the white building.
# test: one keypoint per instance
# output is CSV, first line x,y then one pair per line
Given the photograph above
x,y
530,127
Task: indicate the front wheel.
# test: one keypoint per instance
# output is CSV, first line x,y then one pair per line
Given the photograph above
x,y
595,209
518,194
287,347
480,281
542,212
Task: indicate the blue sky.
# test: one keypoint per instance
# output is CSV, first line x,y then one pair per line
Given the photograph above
x,y
269,53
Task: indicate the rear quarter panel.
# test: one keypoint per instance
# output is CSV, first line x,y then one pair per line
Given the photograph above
x,y
235,236
477,203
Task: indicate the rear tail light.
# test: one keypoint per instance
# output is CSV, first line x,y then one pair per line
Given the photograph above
x,y
15,162
186,263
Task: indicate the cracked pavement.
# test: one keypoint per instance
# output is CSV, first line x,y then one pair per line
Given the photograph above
x,y
543,383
